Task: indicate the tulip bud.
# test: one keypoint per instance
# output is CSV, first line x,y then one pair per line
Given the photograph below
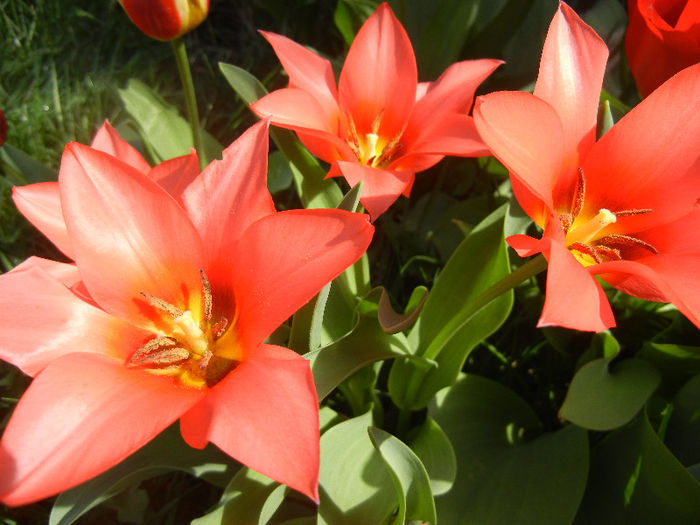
x,y
166,19
3,128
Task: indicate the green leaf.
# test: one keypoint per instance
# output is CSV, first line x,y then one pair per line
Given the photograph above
x,y
683,431
605,395
365,344
279,176
162,129
393,322
675,362
315,191
409,476
635,479
605,119
507,471
354,485
23,168
165,453
453,320
434,449
249,498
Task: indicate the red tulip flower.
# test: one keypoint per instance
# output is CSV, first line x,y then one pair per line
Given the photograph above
x,y
163,316
662,38
379,126
625,207
166,19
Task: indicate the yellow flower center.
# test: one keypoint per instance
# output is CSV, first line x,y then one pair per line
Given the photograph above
x,y
587,241
192,348
372,149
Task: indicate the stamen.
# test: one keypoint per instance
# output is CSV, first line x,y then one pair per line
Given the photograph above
x,y
219,328
163,306
617,239
372,139
566,220
206,296
590,229
626,213
392,147
579,195
164,358
377,122
606,253
586,250
150,347
192,333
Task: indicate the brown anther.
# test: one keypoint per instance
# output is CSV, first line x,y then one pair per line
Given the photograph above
x,y
627,213
566,220
606,253
164,358
150,347
586,250
205,361
579,195
353,136
617,239
219,328
206,297
390,150
163,306
377,122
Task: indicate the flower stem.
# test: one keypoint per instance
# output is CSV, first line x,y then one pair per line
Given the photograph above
x,y
183,67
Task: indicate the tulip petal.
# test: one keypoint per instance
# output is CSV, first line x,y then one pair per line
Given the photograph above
x,y
176,174
41,204
108,140
574,298
230,194
570,78
672,278
379,77
129,236
299,111
307,71
380,188
82,415
453,92
649,159
42,320
283,260
526,135
265,415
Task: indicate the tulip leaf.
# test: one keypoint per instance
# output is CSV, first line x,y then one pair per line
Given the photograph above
x,y
393,322
315,191
164,132
675,362
409,476
683,431
165,453
23,168
635,479
604,395
605,119
279,176
250,498
453,320
354,484
435,451
365,344
508,471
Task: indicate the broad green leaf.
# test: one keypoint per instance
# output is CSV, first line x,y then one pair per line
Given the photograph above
x,y
435,451
315,191
248,498
605,119
162,129
365,344
683,431
279,176
675,362
604,395
409,476
635,479
455,319
393,322
354,485
165,453
507,470
23,168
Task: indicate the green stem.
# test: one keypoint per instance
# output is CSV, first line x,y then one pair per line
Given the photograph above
x,y
183,66
469,310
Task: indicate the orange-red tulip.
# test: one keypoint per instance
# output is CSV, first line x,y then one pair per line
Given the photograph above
x,y
175,286
166,19
662,38
625,207
379,126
